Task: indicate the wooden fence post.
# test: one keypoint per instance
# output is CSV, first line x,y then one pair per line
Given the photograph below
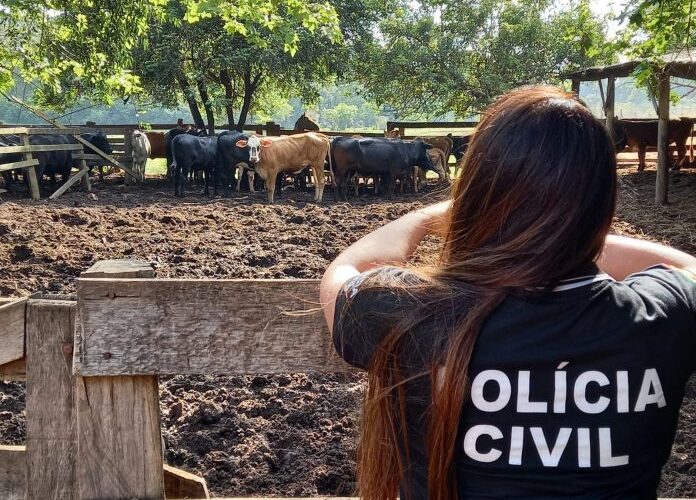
x,y
51,430
128,158
609,104
663,156
31,172
119,444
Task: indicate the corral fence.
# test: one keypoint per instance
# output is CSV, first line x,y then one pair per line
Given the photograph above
x,y
28,164
91,363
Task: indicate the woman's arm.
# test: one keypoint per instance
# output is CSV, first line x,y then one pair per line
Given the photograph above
x,y
393,243
623,256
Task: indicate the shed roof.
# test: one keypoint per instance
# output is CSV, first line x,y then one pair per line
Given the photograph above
x,y
681,64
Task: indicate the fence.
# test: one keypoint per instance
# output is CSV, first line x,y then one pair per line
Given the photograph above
x,y
29,163
91,367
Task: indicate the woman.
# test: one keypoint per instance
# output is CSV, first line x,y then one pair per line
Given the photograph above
x,y
540,357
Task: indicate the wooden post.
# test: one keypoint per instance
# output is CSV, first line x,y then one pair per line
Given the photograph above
x,y
272,129
86,186
13,460
128,158
51,429
31,171
119,444
575,86
609,104
663,157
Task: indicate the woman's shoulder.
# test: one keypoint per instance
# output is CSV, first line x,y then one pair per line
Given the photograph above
x,y
665,284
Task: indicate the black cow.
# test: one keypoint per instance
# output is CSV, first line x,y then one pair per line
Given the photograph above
x,y
228,157
189,154
169,137
460,143
99,140
389,158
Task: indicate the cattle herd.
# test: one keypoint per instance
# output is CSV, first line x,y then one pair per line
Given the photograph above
x,y
224,161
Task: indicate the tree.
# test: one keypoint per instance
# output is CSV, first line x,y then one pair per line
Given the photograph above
x,y
450,56
73,49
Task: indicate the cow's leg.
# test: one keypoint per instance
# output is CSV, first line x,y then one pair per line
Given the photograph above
x,y
250,179
415,179
641,157
319,182
240,173
356,180
206,189
270,185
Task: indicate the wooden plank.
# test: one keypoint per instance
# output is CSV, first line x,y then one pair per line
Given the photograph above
x,y
11,130
73,180
12,472
181,484
119,445
119,441
175,326
34,191
40,148
123,268
51,430
60,131
18,164
14,370
12,330
397,124
663,157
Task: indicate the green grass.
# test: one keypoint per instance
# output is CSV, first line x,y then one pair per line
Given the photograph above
x,y
157,166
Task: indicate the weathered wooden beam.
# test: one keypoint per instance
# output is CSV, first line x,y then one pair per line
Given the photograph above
x,y
83,172
663,156
119,441
40,148
609,104
14,370
18,164
123,268
575,86
30,172
51,430
146,326
181,484
12,330
13,480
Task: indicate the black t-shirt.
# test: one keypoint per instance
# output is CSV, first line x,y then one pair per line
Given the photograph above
x,y
574,392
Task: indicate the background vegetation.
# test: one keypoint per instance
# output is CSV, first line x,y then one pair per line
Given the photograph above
x,y
353,64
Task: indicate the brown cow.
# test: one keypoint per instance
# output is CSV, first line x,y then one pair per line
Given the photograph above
x,y
393,134
443,143
273,155
158,147
642,134
305,124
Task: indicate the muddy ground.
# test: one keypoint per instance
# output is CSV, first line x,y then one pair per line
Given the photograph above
x,y
290,435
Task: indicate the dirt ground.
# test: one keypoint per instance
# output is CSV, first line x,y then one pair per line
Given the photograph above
x,y
290,435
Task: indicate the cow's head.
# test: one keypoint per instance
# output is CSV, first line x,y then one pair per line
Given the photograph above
x,y
254,144
423,158
99,140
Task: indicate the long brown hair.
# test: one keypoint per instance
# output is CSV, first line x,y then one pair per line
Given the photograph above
x,y
533,204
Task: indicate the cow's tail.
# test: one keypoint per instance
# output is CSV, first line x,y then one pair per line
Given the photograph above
x,y
330,155
172,167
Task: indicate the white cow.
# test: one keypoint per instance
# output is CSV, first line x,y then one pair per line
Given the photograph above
x,y
140,147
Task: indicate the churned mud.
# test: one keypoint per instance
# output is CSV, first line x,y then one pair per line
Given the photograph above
x,y
289,435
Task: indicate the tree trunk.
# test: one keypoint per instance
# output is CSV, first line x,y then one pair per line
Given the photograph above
x,y
250,86
209,113
229,97
191,100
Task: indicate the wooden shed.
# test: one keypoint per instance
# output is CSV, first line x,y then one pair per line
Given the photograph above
x,y
679,64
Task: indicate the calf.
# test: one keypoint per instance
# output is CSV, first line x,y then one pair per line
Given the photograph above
x,y
392,134
642,134
189,154
274,155
141,149
389,158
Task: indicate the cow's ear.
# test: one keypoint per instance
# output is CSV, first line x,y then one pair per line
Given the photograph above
x,y
266,143
241,143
